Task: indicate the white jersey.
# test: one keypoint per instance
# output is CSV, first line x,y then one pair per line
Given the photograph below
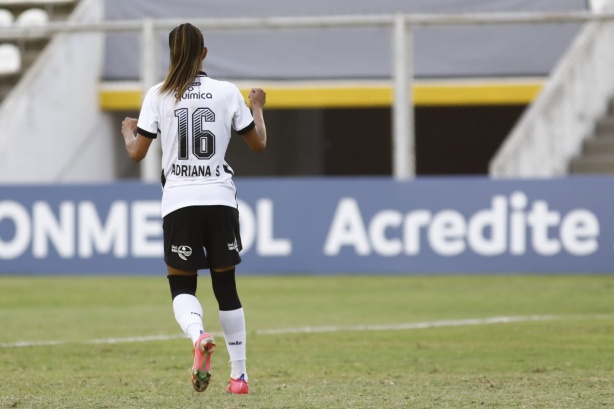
x,y
194,134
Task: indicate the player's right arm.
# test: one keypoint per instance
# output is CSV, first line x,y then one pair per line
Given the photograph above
x,y
139,133
256,137
136,145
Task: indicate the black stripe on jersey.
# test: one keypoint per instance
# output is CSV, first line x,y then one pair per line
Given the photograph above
x,y
227,169
247,129
163,178
147,134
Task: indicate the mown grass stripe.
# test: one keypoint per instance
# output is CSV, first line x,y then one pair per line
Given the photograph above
x,y
334,328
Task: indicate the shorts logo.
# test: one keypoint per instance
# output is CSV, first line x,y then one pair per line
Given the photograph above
x,y
233,246
182,251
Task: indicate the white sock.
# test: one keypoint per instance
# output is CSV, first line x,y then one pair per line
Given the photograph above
x,y
233,326
238,368
189,313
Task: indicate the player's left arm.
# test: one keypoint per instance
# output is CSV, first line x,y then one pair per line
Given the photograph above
x,y
256,137
137,145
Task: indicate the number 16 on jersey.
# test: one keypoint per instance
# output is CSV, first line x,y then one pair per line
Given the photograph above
x,y
203,140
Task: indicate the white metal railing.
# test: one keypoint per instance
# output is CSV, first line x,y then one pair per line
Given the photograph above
x,y
401,25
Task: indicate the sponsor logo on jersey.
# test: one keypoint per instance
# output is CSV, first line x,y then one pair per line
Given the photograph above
x,y
191,93
233,246
182,251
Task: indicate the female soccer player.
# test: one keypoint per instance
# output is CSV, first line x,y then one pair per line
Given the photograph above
x,y
194,115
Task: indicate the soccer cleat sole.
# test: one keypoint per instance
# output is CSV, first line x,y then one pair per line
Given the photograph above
x,y
201,377
200,380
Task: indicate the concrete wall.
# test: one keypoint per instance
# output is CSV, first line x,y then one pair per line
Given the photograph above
x,y
51,127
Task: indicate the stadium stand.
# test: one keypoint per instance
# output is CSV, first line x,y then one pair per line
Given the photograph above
x,y
57,10
598,151
29,13
565,129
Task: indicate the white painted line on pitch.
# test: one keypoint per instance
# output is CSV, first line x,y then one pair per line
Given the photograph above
x,y
413,325
304,330
134,339
31,344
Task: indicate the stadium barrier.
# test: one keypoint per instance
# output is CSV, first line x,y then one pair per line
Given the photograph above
x,y
326,226
402,27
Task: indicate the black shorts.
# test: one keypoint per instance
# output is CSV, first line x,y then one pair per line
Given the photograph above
x,y
199,237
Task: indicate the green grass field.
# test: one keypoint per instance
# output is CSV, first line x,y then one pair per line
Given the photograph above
x,y
315,342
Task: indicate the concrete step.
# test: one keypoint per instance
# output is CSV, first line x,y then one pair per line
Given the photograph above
x,y
597,163
603,144
605,125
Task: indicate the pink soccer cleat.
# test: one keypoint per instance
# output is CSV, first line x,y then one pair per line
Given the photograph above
x,y
201,371
238,386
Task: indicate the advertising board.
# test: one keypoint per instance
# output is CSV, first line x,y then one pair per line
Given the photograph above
x,y
326,226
